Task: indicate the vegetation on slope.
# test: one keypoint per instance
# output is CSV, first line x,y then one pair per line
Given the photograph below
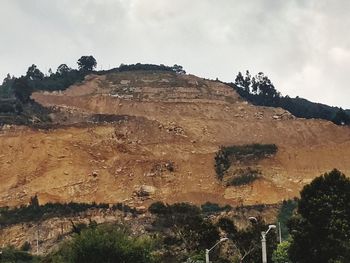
x,y
35,212
107,243
259,90
185,230
319,232
321,228
286,211
16,105
248,154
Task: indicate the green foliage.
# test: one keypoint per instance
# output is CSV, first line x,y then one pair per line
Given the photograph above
x,y
36,212
285,213
33,73
227,225
87,63
259,90
243,176
247,241
210,208
105,243
158,208
249,152
341,118
12,255
188,227
26,246
280,255
22,89
6,90
134,67
321,230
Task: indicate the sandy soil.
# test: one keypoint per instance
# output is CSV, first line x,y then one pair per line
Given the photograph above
x,y
178,119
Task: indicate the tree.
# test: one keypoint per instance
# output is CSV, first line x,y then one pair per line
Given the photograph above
x,y
22,89
280,255
63,69
178,69
87,63
341,118
6,87
33,73
109,243
321,229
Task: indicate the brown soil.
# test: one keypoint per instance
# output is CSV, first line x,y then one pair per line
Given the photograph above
x,y
180,119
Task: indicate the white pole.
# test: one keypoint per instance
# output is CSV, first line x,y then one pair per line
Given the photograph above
x,y
263,247
207,256
279,232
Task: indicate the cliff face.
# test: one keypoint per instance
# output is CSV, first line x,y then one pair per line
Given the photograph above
x,y
137,137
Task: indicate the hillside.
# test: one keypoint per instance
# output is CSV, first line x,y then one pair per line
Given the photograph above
x,y
136,137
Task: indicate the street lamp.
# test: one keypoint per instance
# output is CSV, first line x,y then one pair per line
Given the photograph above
x,y
208,250
253,218
263,243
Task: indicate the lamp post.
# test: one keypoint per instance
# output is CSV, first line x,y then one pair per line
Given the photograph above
x,y
263,243
208,250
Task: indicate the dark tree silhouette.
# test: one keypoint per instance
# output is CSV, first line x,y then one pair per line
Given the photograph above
x,y
341,118
321,230
33,73
63,69
87,63
22,89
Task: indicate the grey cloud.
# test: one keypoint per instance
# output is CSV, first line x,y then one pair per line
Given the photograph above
x,y
303,46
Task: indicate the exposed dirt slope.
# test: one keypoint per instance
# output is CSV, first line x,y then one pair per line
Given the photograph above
x,y
173,127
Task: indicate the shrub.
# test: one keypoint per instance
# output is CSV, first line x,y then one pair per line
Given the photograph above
x,y
158,208
107,243
209,207
285,213
36,212
26,246
10,254
243,176
238,153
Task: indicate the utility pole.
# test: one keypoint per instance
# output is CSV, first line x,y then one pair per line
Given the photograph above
x,y
279,232
207,256
37,241
263,247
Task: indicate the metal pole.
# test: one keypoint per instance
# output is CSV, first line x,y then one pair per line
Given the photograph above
x,y
279,232
263,247
37,241
207,256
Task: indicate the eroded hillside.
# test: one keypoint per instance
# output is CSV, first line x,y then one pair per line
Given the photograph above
x,y
137,137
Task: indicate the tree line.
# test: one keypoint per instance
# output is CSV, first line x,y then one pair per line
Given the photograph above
x,y
260,90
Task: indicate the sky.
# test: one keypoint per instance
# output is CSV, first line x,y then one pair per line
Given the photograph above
x,y
302,45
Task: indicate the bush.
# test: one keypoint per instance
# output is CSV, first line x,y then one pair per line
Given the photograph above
x,y
243,176
36,212
105,243
26,246
10,254
230,154
285,213
214,208
242,180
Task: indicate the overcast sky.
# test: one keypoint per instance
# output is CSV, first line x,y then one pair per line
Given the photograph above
x,y
302,45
